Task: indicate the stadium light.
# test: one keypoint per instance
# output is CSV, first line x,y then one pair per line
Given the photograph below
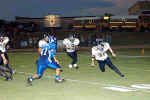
x,y
52,21
106,17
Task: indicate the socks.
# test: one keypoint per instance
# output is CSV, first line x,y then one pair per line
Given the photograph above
x,y
31,78
57,77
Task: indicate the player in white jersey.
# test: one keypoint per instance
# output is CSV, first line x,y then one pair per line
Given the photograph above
x,y
99,54
4,58
71,46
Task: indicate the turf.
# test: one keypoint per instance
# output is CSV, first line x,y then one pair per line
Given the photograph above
x,y
86,83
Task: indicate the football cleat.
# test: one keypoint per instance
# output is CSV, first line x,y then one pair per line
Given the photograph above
x,y
8,79
77,67
29,82
121,75
14,71
70,65
59,80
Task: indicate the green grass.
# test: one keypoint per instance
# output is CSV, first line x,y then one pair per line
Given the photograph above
x,y
87,83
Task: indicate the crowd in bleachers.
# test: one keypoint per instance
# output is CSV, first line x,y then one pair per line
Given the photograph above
x,y
24,35
19,35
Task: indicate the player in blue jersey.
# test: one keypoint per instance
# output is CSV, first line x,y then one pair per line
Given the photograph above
x,y
47,59
53,43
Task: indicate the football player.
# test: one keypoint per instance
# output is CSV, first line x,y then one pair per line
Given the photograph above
x,y
52,42
4,58
71,46
47,59
3,73
99,53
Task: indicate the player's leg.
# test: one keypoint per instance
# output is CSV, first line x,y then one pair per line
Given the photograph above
x,y
101,65
70,54
38,75
11,71
73,56
56,66
3,70
113,67
1,61
41,66
2,73
75,60
58,79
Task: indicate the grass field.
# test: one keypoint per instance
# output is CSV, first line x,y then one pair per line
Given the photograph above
x,y
87,83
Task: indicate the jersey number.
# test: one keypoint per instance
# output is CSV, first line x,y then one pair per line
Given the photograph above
x,y
44,52
101,54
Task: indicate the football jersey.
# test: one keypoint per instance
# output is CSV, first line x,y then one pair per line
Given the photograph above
x,y
100,53
46,50
52,42
70,45
52,39
44,47
3,44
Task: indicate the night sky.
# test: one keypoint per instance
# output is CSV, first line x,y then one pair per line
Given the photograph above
x,y
39,8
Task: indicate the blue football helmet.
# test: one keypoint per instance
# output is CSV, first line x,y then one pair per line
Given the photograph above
x,y
100,43
71,36
46,35
2,35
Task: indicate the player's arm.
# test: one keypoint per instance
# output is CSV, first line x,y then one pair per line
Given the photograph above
x,y
56,60
65,47
92,61
64,44
40,47
39,50
93,57
77,47
112,52
76,43
6,40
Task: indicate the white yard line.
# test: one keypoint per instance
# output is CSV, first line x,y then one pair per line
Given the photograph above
x,y
120,88
141,86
